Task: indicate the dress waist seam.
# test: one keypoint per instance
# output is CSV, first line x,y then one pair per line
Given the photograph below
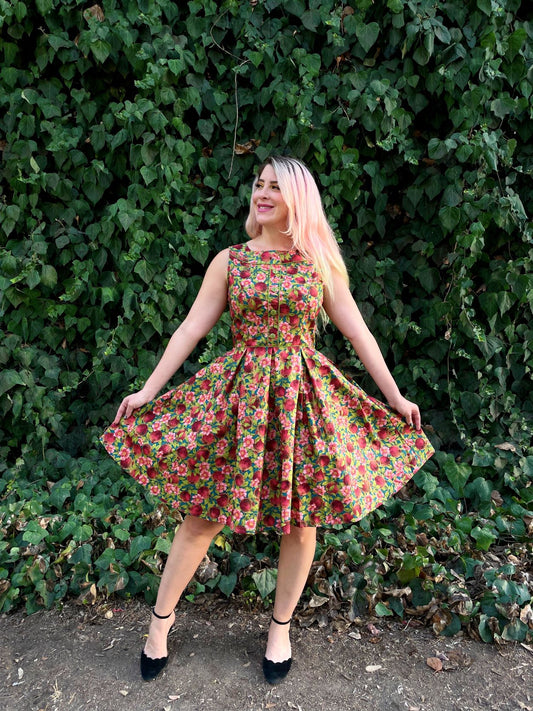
x,y
278,347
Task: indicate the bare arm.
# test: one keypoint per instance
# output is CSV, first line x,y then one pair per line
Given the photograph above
x,y
344,313
204,313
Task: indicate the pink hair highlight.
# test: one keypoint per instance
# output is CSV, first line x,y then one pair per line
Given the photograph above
x,y
307,223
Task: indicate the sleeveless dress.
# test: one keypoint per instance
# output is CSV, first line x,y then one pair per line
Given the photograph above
x,y
271,434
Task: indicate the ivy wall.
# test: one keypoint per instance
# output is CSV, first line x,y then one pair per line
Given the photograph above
x,y
129,133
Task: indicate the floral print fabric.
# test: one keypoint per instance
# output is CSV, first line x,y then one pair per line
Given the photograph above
x,y
270,435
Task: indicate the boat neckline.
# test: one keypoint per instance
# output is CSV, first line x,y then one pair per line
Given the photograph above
x,y
262,251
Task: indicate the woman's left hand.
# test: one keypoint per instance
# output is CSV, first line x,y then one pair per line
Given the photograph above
x,y
408,410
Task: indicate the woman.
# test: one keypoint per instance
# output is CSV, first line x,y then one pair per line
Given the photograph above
x,y
271,435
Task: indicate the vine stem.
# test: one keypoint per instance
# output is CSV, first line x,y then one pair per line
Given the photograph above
x,y
236,91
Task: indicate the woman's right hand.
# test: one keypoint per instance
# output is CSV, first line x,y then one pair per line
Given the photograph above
x,y
130,403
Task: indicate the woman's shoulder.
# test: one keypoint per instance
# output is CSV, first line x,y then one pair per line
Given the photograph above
x,y
221,260
219,264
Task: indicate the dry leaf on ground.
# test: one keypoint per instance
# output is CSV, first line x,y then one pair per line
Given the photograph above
x,y
434,663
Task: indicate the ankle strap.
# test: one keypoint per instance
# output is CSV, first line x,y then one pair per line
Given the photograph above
x,y
281,623
161,617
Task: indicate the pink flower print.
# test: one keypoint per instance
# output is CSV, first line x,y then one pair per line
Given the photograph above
x,y
298,456
248,442
308,470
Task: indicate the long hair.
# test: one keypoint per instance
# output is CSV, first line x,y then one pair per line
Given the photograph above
x,y
307,224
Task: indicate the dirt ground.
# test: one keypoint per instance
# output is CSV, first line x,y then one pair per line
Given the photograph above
x,y
78,658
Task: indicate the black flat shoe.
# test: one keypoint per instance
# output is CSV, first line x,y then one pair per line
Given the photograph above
x,y
274,672
151,668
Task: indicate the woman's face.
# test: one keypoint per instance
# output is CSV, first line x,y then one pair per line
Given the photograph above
x,y
270,208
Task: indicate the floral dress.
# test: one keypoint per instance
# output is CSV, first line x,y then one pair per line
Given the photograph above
x,y
271,434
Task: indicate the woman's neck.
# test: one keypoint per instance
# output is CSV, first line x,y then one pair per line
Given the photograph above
x,y
274,239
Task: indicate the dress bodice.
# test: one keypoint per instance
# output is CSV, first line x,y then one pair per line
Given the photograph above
x,y
274,298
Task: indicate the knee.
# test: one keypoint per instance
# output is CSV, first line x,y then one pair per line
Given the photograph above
x,y
196,527
301,536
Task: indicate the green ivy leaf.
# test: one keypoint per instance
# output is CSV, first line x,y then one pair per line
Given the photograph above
x,y
227,583
9,379
163,545
48,276
367,34
449,218
382,610
265,581
484,537
515,631
395,6
453,627
311,19
457,474
44,6
101,50
503,106
33,533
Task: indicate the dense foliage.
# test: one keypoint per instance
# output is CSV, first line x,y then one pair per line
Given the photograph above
x,y
129,134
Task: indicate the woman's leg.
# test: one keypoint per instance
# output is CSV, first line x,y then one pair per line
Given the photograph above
x,y
187,551
296,554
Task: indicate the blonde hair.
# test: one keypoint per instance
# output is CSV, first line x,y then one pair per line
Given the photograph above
x,y
307,224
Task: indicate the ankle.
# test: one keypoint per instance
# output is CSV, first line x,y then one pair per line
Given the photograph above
x,y
161,617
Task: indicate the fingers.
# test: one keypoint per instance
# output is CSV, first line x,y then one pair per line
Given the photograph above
x,y
118,416
417,419
128,405
123,408
412,415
